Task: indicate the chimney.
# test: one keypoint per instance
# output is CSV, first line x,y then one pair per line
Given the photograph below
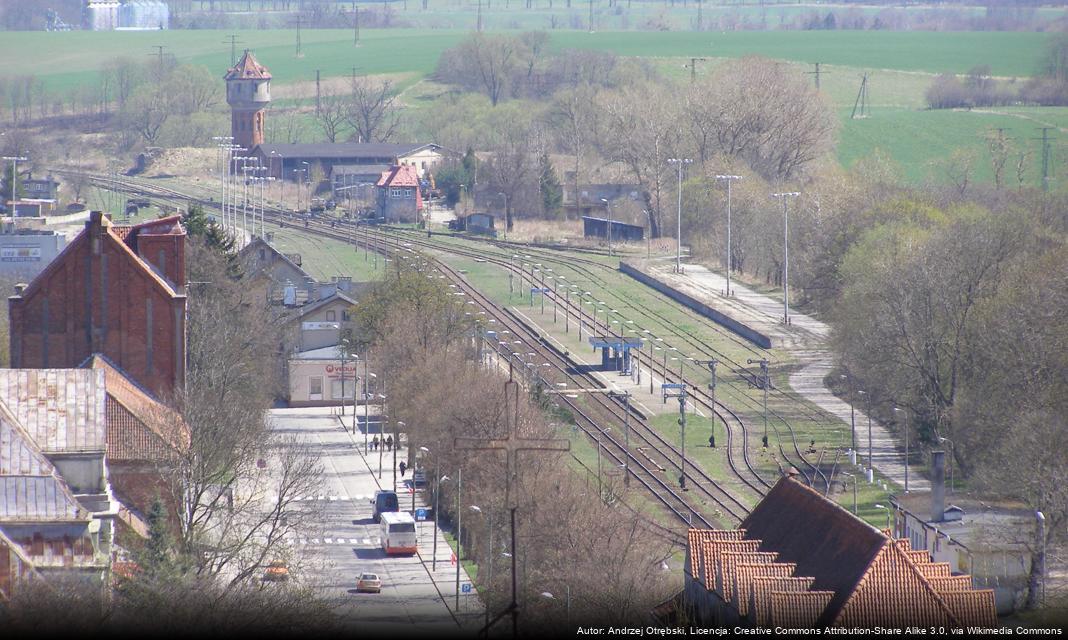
x,y
938,485
20,288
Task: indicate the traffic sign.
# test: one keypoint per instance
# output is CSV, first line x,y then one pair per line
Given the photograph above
x,y
420,514
465,587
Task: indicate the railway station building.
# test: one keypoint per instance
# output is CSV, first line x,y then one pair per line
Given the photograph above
x,y
799,560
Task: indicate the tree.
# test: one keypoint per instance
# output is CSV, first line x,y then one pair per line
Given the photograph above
x,y
145,113
373,113
483,63
512,169
332,116
552,195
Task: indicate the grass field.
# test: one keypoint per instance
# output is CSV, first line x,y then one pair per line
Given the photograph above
x,y
61,59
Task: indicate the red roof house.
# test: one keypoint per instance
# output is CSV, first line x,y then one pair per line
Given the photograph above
x,y
399,196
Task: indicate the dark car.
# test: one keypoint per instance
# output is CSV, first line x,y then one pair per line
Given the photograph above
x,y
330,204
384,501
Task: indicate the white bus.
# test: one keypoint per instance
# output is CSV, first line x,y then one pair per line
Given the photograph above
x,y
398,532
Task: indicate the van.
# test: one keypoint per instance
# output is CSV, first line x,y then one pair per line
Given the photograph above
x,y
384,502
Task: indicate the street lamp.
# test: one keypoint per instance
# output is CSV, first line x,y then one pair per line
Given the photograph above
x,y
679,162
608,209
949,465
854,490
729,180
852,423
906,446
396,445
550,596
15,160
786,253
871,463
879,506
764,385
489,555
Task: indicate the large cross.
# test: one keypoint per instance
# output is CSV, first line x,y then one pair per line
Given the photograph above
x,y
511,445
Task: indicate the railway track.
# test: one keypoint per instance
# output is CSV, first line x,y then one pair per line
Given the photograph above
x,y
647,472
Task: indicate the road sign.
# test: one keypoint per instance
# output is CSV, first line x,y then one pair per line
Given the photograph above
x,y
465,587
420,514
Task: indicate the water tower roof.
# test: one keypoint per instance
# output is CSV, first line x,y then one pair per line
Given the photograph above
x,y
248,68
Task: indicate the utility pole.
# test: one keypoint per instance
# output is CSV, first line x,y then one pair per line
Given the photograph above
x,y
159,54
678,390
711,364
478,25
318,94
786,253
233,49
591,16
693,66
299,54
862,100
764,384
816,74
729,180
626,433
699,22
356,24
1045,156
679,162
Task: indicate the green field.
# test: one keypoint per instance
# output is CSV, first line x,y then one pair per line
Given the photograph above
x,y
61,60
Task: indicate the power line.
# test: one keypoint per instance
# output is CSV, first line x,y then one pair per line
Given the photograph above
x,y
817,74
862,100
233,48
1045,155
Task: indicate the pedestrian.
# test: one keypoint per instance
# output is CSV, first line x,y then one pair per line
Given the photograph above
x,y
403,468
374,444
712,441
389,443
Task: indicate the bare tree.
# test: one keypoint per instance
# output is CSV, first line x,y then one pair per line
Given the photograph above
x,y
373,113
483,63
332,116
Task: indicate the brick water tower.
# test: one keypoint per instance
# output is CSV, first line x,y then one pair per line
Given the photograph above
x,y
248,92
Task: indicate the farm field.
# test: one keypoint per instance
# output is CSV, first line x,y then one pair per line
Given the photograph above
x,y
60,60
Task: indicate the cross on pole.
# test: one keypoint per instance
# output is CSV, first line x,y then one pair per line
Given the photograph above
x,y
512,444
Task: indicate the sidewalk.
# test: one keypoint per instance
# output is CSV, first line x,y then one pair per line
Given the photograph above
x,y
805,340
470,614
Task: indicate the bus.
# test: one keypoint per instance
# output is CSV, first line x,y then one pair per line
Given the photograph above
x,y
398,532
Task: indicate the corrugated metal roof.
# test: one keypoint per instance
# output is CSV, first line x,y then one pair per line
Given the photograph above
x,y
18,456
62,410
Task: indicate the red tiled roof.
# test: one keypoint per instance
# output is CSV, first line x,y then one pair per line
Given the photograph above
x,y
248,68
762,588
798,610
935,569
712,552
745,573
400,175
697,538
973,607
727,563
952,583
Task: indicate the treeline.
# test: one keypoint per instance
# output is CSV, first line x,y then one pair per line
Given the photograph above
x,y
617,120
1049,87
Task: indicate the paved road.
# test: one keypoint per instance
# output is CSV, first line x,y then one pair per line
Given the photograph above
x,y
344,541
805,339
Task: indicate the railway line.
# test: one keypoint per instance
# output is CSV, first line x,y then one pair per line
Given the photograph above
x,y
659,455
735,428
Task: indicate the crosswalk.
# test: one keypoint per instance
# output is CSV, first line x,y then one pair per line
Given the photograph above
x,y
324,541
328,498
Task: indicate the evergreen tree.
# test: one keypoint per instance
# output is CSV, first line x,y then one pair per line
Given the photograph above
x,y
156,556
552,194
197,223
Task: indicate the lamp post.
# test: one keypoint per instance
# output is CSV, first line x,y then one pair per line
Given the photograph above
x,y
550,596
396,445
898,409
852,423
949,466
608,209
871,463
786,253
764,385
15,160
729,180
489,556
854,490
679,162
711,364
381,433
879,506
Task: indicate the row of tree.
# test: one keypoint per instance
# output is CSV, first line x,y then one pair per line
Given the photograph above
x,y
566,537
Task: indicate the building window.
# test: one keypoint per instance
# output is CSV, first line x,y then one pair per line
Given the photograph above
x,y
394,193
407,193
339,391
345,316
315,388
329,316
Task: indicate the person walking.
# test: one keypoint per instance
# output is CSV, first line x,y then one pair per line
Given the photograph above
x,y
374,444
403,468
389,443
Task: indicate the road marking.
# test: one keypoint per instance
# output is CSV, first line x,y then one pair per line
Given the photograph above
x,y
332,498
353,541
328,541
315,541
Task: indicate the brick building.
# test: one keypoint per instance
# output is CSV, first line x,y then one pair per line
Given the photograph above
x,y
248,92
399,197
800,560
114,290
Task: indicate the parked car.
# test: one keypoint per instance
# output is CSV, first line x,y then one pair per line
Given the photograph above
x,y
419,478
383,502
277,571
369,583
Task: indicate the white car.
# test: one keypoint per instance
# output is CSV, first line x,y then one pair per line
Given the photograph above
x,y
369,583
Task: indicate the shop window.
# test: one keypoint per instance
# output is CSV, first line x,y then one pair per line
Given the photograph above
x,y
315,388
